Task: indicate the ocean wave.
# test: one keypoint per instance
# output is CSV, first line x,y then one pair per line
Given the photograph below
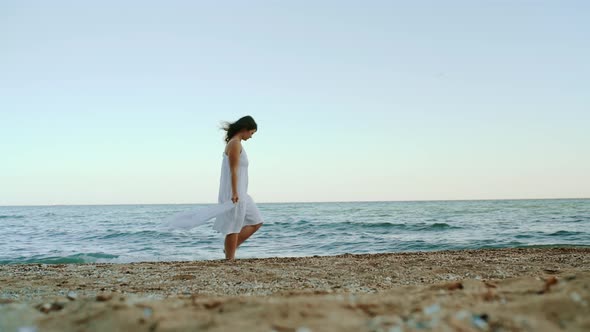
x,y
288,223
438,226
8,216
565,233
140,234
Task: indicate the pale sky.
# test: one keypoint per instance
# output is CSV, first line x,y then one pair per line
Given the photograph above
x,y
119,102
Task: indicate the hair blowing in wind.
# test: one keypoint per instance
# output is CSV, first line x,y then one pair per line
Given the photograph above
x,y
246,122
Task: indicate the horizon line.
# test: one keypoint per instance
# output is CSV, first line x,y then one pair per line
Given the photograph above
x,y
307,202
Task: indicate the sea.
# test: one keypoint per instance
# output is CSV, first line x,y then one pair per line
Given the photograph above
x,y
133,233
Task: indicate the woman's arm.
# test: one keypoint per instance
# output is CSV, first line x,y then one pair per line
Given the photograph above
x,y
234,149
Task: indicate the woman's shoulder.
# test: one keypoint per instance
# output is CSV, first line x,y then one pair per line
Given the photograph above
x,y
233,145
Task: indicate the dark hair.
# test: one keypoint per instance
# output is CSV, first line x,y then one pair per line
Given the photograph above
x,y
246,122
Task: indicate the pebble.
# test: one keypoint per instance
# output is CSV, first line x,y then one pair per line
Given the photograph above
x,y
479,322
48,307
147,312
461,315
548,283
45,308
455,286
578,298
303,329
27,329
432,309
72,295
374,323
103,297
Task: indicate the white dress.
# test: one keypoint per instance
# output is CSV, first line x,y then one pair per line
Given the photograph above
x,y
230,217
245,212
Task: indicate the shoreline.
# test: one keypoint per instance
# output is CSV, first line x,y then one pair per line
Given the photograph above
x,y
513,287
59,260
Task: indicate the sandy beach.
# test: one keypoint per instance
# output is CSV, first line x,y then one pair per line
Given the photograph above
x,y
533,289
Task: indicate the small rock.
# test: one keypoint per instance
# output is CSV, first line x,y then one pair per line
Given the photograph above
x,y
49,307
422,325
489,284
479,322
454,286
104,297
183,277
212,304
432,309
396,328
57,306
578,299
72,296
490,296
147,312
461,315
45,308
303,329
373,324
279,328
27,329
548,283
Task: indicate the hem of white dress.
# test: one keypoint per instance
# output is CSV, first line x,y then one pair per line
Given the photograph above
x,y
234,232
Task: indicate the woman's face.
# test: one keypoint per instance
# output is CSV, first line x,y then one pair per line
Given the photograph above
x,y
248,134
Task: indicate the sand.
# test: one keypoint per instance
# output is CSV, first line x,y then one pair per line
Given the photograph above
x,y
532,289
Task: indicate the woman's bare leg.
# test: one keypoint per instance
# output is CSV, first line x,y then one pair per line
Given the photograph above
x,y
231,244
233,240
246,232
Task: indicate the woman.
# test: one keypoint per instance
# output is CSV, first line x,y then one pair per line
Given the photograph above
x,y
239,223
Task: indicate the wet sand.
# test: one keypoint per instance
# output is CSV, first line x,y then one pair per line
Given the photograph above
x,y
533,289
